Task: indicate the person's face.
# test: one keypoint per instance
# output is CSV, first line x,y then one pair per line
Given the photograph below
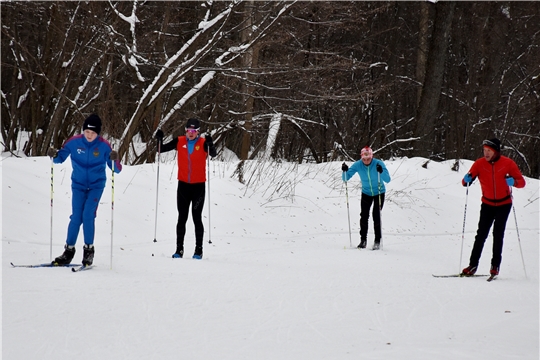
x,y
366,160
192,133
90,135
489,153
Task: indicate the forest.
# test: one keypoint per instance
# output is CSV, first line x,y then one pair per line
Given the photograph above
x,y
298,81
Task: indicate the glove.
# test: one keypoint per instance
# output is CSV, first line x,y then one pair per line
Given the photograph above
x,y
52,152
467,178
113,155
209,146
510,181
159,135
344,167
379,168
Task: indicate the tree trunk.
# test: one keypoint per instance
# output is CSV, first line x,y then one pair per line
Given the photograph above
x,y
422,51
250,60
426,116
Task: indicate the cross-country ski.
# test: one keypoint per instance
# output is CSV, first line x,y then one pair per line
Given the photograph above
x,y
458,275
82,268
43,265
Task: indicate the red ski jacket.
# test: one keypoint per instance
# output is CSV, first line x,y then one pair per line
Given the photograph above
x,y
492,176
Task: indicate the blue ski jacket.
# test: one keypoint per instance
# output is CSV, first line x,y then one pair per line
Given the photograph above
x,y
369,177
88,160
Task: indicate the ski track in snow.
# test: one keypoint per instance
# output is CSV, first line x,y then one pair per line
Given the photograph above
x,y
280,279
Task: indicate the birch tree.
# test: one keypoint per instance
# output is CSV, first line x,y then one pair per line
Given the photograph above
x,y
184,74
52,72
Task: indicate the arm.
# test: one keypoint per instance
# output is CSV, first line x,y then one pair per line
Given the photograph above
x,y
165,147
471,175
346,175
111,155
519,180
209,146
171,145
385,175
117,164
63,153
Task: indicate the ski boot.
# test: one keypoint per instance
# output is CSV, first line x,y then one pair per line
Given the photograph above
x,y
198,253
179,253
88,255
468,271
66,257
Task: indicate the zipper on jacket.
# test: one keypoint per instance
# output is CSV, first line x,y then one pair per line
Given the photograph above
x,y
87,167
369,179
189,164
494,182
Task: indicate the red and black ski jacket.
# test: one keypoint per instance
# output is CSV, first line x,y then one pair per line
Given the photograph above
x,y
492,176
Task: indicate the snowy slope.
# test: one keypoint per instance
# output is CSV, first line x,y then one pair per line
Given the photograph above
x,y
279,280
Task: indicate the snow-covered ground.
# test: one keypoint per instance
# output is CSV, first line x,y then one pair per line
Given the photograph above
x,y
279,281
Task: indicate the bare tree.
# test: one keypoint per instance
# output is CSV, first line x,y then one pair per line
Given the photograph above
x,y
428,127
56,74
299,81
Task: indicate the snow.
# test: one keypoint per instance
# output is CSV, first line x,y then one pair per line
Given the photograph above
x,y
279,280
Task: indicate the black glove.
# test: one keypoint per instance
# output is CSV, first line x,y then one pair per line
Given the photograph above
x,y
113,155
379,168
159,135
52,152
344,167
209,146
209,140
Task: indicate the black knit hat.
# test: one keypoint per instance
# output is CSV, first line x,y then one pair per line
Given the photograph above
x,y
93,122
193,124
494,144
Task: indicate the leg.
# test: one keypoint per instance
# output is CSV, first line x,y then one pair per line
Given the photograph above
x,y
196,213
76,219
182,202
487,216
377,218
499,226
89,214
365,205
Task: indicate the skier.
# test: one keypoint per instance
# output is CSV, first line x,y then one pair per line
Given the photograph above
x,y
373,174
497,174
89,153
193,151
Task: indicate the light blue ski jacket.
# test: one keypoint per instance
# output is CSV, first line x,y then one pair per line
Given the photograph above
x,y
369,177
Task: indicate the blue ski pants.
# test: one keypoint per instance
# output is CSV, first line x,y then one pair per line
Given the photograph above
x,y
84,204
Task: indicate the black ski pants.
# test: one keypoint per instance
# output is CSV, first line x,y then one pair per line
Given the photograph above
x,y
190,194
496,216
365,205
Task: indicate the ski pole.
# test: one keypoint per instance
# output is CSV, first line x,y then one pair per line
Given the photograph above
x,y
463,232
112,208
157,188
209,205
517,231
380,210
348,212
52,192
